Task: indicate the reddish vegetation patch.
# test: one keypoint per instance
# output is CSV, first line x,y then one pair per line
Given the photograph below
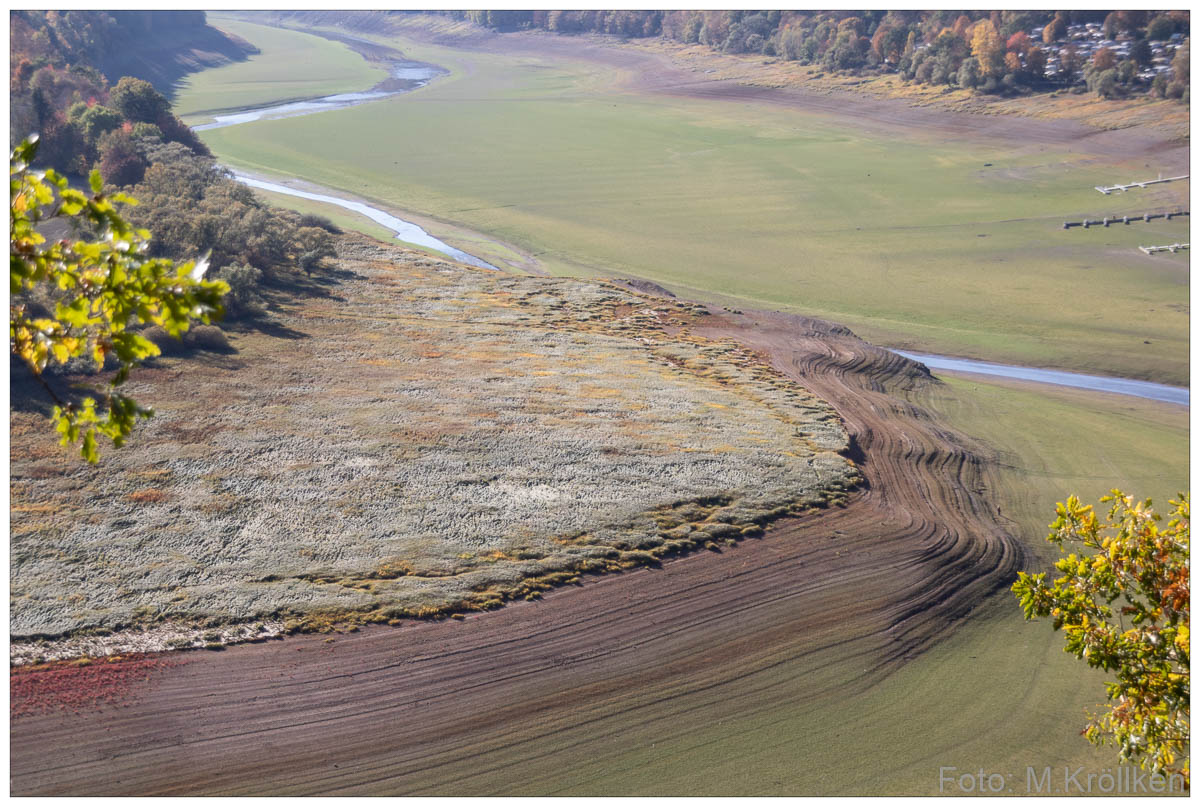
x,y
76,685
147,496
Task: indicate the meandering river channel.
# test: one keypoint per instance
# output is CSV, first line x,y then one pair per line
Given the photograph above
x,y
1121,386
404,230
406,76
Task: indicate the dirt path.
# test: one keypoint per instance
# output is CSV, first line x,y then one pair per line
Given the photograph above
x,y
505,702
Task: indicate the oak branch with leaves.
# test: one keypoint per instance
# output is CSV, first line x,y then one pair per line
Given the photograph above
x,y
100,290
1125,608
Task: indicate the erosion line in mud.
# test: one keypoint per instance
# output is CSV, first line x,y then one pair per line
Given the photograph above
x,y
875,582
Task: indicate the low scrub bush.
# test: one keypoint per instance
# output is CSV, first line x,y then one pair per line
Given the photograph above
x,y
313,220
208,337
243,299
201,337
167,344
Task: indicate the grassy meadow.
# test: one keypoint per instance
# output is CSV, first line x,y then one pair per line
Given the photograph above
x,y
916,240
1054,441
1001,693
292,66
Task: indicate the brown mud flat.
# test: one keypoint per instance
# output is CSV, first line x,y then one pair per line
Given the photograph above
x,y
503,702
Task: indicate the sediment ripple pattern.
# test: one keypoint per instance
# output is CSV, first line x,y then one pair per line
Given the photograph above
x,y
586,683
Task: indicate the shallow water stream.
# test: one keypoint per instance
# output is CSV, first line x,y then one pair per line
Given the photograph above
x,y
404,230
405,77
1121,386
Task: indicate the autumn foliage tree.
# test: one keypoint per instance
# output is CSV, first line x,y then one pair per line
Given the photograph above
x,y
1055,30
987,48
98,290
1019,43
1104,59
924,47
1124,605
1035,62
962,27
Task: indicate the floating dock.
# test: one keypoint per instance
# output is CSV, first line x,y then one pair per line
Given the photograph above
x,y
1107,220
1165,248
1143,184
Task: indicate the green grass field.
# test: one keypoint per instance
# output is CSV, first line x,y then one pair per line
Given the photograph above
x,y
914,241
292,66
1001,693
1054,441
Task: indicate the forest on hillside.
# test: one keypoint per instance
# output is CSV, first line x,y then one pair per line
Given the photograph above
x,y
1111,53
126,129
158,46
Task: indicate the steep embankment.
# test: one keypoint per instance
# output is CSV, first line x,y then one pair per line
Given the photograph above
x,y
163,55
571,691
157,46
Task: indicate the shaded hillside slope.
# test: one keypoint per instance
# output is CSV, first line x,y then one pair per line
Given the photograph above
x,y
158,46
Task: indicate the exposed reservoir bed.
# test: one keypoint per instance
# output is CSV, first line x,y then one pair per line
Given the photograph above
x,y
430,437
409,75
413,234
405,77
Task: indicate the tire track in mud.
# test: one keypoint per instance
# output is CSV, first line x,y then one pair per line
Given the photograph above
x,y
503,702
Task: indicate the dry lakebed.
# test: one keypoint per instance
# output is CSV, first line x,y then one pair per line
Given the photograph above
x,y
419,438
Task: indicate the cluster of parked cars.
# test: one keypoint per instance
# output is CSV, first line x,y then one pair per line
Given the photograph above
x,y
1087,38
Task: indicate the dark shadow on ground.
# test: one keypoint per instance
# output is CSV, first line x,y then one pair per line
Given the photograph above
x,y
263,325
28,394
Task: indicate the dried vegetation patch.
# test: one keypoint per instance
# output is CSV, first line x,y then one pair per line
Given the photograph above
x,y
423,439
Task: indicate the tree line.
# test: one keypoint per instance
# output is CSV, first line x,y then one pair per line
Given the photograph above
x,y
91,288
985,51
129,133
